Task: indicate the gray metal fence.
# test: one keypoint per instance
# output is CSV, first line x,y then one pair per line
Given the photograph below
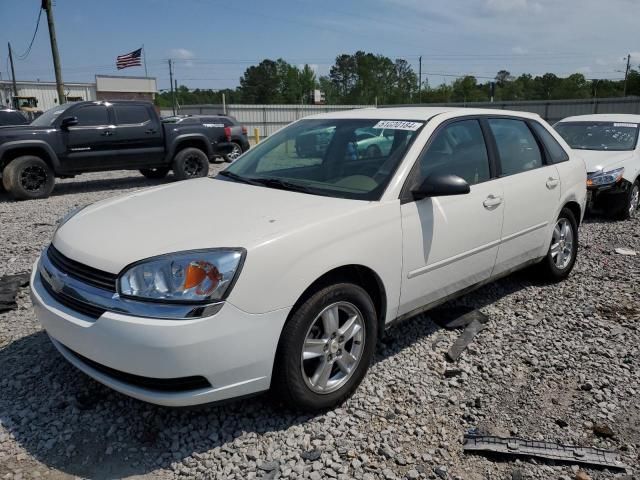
x,y
269,118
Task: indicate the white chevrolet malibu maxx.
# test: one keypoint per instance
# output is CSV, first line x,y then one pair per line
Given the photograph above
x,y
281,272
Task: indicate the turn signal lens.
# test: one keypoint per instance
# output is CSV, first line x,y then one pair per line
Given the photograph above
x,y
202,275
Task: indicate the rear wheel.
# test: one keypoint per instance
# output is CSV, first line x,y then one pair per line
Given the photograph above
x,y
28,177
190,163
155,173
562,253
325,348
236,151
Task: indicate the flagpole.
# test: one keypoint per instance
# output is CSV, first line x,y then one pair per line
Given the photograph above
x,y
144,55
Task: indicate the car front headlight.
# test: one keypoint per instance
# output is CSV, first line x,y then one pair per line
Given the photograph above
x,y
605,178
198,276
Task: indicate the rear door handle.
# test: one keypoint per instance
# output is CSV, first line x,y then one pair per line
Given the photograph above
x,y
492,201
151,130
107,133
552,183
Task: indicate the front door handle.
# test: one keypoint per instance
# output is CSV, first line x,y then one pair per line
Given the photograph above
x,y
552,183
151,130
492,201
107,133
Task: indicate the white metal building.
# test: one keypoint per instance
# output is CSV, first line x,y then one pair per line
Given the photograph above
x,y
106,87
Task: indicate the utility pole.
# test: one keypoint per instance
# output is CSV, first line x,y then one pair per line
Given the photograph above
x,y
626,74
175,89
173,95
46,5
420,79
13,74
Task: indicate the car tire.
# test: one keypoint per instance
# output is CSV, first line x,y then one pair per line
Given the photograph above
x,y
155,173
632,202
28,177
331,366
563,250
234,154
190,163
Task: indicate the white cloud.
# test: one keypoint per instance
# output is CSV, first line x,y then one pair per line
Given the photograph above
x,y
181,54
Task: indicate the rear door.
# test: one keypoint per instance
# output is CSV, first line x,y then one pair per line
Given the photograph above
x,y
531,192
138,137
89,144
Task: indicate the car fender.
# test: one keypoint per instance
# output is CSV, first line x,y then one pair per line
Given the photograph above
x,y
186,137
278,271
20,144
632,167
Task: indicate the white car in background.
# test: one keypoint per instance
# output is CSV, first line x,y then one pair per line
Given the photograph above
x,y
608,143
288,286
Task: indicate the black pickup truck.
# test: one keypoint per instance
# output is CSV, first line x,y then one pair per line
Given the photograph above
x,y
81,137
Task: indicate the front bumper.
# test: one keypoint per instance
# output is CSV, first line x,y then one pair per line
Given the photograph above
x,y
609,198
233,350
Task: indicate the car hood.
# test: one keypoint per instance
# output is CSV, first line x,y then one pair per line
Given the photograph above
x,y
596,160
189,215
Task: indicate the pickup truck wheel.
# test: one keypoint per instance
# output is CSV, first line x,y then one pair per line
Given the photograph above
x,y
28,177
325,348
562,253
155,173
236,151
190,163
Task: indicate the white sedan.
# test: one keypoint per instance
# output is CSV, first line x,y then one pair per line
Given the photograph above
x,y
287,284
609,145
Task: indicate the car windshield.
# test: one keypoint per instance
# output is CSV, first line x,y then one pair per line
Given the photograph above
x,y
616,136
345,158
48,117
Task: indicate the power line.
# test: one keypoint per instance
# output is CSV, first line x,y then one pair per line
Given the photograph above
x,y
28,51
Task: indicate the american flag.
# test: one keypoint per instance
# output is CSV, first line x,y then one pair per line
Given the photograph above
x,y
132,59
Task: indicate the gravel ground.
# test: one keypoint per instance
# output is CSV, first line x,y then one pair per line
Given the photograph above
x,y
556,362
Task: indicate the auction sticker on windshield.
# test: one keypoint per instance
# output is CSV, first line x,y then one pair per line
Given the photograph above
x,y
629,125
398,125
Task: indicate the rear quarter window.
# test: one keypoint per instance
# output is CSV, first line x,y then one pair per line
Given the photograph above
x,y
554,150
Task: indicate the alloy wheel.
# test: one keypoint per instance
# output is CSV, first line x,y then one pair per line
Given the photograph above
x,y
235,152
634,201
562,244
33,178
193,166
333,347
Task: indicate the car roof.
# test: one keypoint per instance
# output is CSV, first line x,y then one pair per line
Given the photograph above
x,y
604,117
418,113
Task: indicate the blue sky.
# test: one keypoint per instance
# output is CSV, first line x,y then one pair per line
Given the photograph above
x,y
214,41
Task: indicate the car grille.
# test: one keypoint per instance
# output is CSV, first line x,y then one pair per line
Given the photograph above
x,y
69,302
181,384
84,273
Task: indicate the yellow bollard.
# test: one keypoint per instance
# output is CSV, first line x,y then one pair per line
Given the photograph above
x,y
256,135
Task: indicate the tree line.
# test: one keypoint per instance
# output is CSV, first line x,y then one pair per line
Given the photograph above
x,y
367,78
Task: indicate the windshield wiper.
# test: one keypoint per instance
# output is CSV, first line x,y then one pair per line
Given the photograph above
x,y
239,178
281,184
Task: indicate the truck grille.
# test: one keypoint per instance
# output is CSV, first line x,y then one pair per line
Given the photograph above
x,y
79,271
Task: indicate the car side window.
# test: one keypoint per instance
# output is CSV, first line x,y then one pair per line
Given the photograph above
x,y
92,115
458,149
557,154
131,114
517,147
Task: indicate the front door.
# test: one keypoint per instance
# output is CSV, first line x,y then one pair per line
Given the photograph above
x,y
531,192
89,144
451,242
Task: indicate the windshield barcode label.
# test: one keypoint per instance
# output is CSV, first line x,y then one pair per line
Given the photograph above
x,y
398,125
629,125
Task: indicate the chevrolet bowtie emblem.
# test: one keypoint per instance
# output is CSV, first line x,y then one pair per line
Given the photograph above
x,y
56,283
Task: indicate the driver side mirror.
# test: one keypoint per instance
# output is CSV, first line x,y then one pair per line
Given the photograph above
x,y
441,185
68,122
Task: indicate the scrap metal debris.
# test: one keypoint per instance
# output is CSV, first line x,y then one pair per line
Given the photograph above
x,y
540,449
475,322
9,286
626,251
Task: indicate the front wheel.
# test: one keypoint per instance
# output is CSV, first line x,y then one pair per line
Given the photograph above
x,y
190,163
325,348
632,203
236,151
28,177
562,253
